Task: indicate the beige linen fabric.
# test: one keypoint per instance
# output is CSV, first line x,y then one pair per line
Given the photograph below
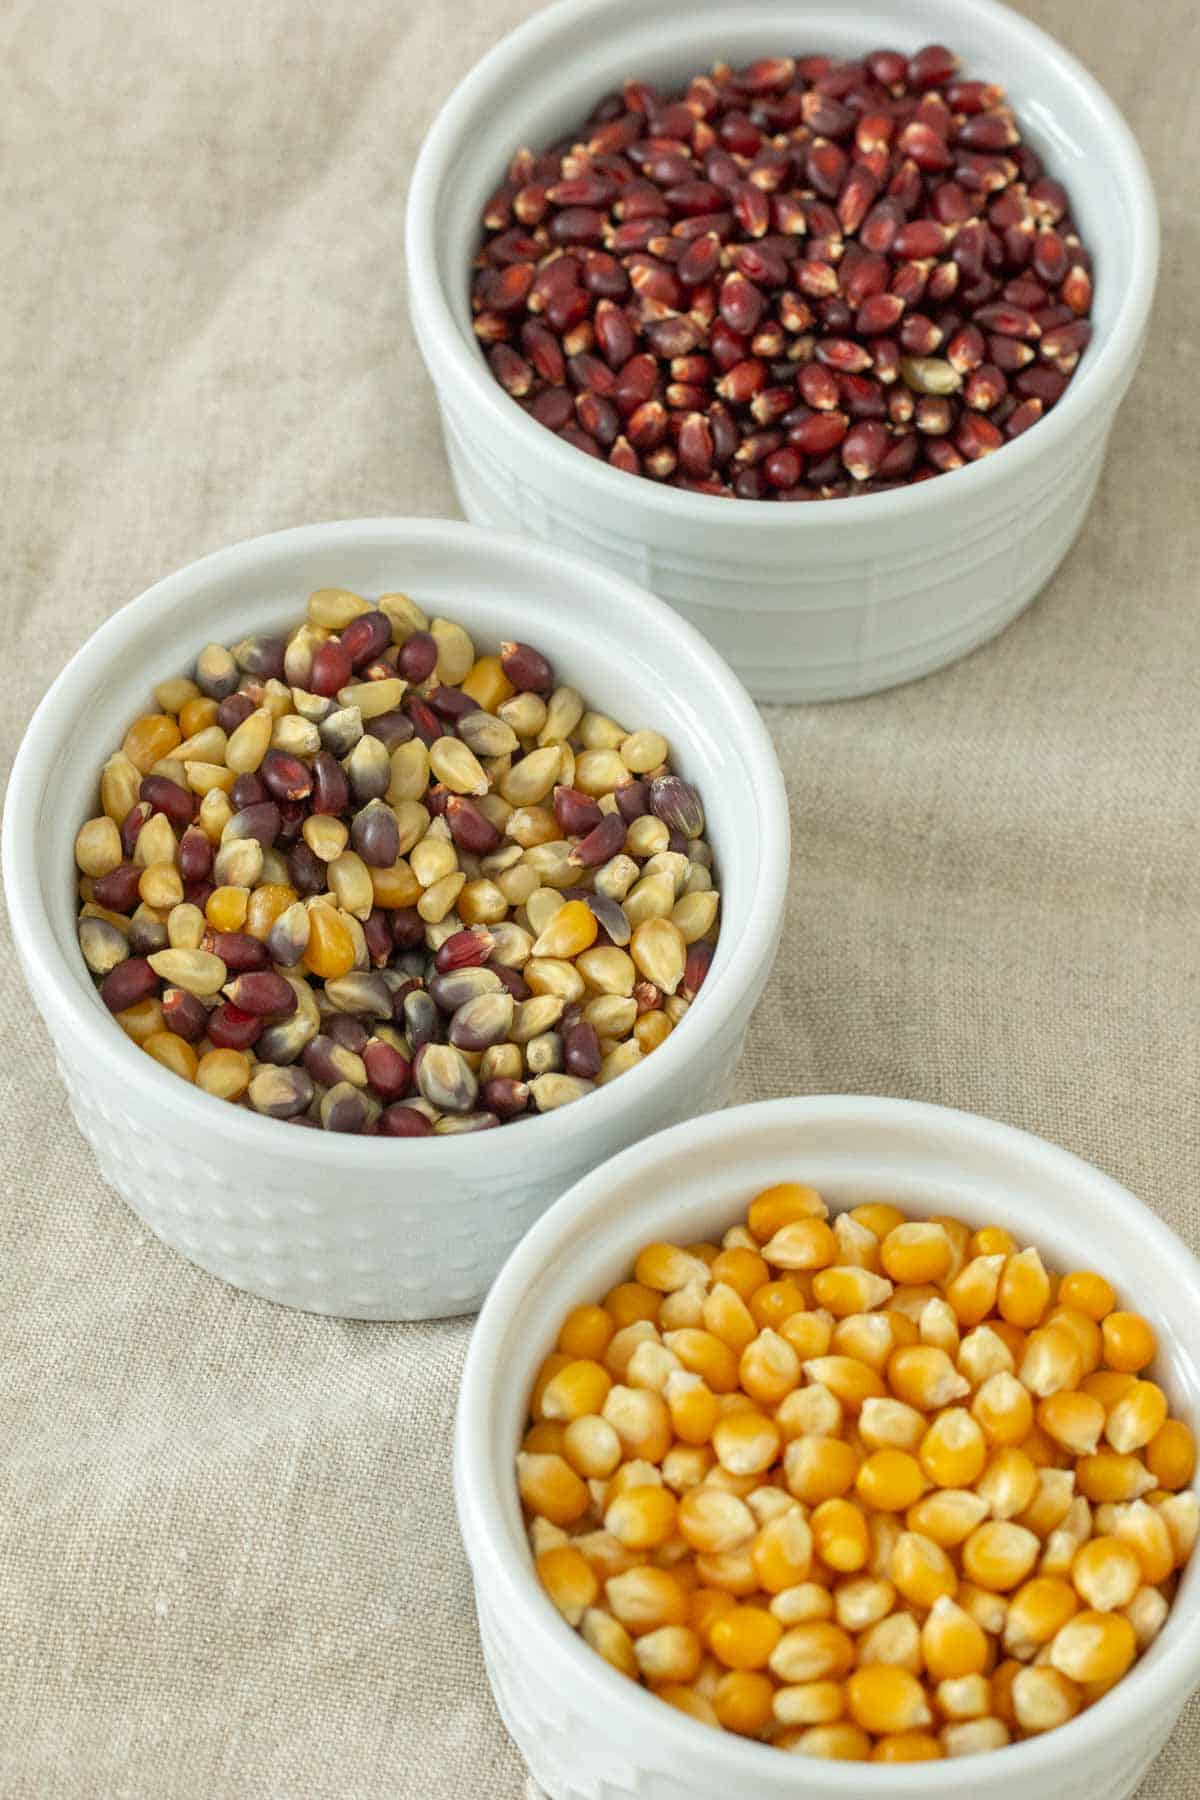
x,y
228,1558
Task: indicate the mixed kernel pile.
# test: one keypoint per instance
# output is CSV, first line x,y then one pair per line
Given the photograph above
x,y
364,878
861,1487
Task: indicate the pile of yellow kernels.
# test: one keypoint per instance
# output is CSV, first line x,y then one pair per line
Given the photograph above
x,y
859,1487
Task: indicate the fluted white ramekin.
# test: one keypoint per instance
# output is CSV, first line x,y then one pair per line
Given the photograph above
x,y
383,1228
588,1733
806,602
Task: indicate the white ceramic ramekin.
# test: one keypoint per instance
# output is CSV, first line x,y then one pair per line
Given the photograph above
x,y
383,1228
806,602
586,1732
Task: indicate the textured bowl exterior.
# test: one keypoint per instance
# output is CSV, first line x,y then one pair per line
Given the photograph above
x,y
382,1228
807,602
900,607
373,1247
588,1733
559,1739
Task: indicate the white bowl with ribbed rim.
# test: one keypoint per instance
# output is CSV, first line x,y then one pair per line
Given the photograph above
x,y
588,1733
383,1228
811,602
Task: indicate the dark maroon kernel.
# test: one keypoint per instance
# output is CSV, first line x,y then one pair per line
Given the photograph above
x,y
377,930
247,790
260,821
465,949
261,656
469,828
576,813
229,1028
375,835
263,993
552,408
633,800
600,844
195,856
118,890
167,797
330,788
285,777
505,1097
403,1121
401,993
320,1057
306,869
132,824
292,814
419,1017
699,960
366,637
408,927
131,981
512,980
331,669
581,1050
451,703
526,668
391,728
418,656
343,1109
147,933
677,803
234,711
388,1072
184,1014
425,722
238,950
346,1030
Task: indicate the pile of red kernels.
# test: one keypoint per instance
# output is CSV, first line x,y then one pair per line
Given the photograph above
x,y
795,281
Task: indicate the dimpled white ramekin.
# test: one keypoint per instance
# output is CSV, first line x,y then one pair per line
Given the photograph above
x,y
383,1228
588,1733
809,602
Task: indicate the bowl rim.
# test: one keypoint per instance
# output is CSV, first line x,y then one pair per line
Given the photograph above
x,y
54,985
450,360
511,1582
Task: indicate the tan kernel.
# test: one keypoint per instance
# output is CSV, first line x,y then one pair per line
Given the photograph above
x,y
120,782
531,779
250,742
173,1052
98,847
647,836
457,767
224,1073
404,616
456,652
155,842
643,751
440,896
334,608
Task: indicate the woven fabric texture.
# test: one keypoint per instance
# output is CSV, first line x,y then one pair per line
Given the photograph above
x,y
229,1565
